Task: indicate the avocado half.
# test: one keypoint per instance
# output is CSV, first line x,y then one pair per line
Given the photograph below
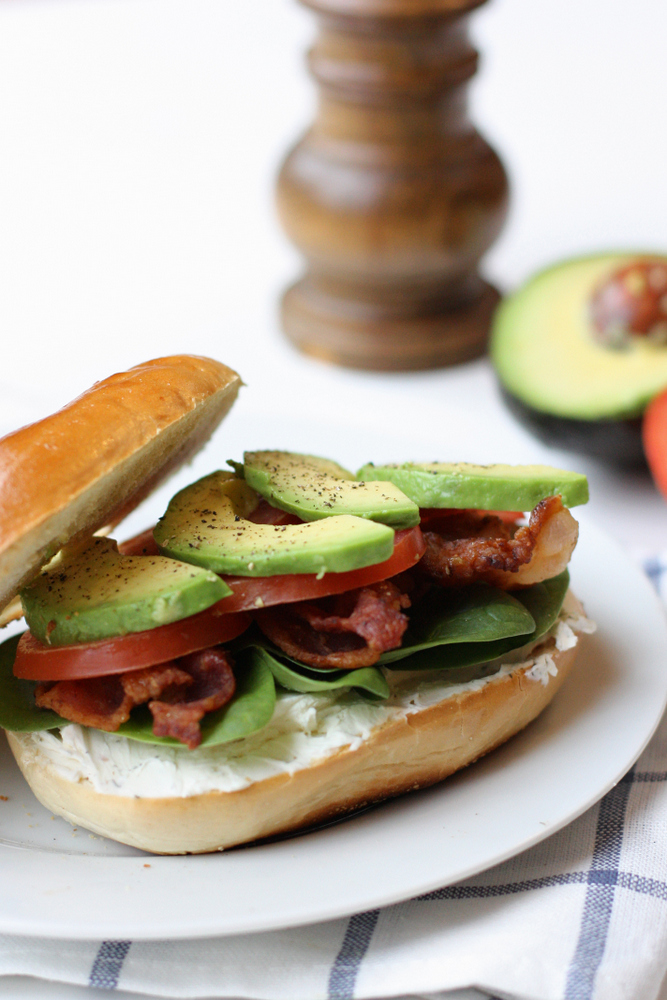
x,y
559,378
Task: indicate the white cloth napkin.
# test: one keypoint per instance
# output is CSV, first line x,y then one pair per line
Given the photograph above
x,y
582,915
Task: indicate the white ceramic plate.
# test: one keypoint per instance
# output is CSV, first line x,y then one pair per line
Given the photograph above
x,y
67,883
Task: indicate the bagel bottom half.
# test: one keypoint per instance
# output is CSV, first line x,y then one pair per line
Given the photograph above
x,y
408,750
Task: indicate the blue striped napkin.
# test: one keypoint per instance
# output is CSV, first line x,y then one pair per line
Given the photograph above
x,y
582,916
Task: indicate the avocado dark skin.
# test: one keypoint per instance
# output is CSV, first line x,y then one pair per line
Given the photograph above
x,y
617,441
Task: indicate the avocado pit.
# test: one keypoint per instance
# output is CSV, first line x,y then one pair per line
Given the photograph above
x,y
631,302
581,349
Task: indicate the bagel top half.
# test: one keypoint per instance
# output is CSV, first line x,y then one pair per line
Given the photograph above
x,y
90,464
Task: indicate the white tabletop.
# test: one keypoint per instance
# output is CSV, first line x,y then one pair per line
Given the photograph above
x,y
139,141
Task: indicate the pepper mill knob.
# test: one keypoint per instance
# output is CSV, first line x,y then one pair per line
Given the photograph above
x,y
391,195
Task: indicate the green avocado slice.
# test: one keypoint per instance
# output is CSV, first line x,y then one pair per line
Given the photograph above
x,y
314,488
99,594
207,524
481,487
545,353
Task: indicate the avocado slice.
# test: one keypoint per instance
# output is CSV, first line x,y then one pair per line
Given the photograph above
x,y
97,593
206,524
314,488
481,487
552,355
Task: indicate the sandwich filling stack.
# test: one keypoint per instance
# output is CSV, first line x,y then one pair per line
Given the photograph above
x,y
292,641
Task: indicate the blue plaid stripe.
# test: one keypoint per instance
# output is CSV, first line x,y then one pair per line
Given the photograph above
x,y
654,571
105,972
599,901
650,776
503,889
344,972
601,880
627,880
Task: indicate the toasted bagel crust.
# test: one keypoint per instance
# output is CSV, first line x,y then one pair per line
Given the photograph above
x,y
402,755
92,462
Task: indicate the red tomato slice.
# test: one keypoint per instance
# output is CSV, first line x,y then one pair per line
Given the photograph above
x,y
261,592
264,513
37,662
654,434
429,514
141,545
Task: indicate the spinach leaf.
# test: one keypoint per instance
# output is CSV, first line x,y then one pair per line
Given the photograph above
x,y
475,614
18,711
368,680
542,600
250,708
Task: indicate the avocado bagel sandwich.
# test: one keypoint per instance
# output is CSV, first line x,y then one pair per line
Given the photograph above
x,y
291,641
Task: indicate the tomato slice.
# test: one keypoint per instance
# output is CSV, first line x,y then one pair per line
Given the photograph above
x,y
654,435
250,593
141,545
37,662
430,514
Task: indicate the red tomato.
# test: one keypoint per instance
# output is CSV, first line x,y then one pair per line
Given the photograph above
x,y
264,513
429,514
263,591
37,662
141,545
654,434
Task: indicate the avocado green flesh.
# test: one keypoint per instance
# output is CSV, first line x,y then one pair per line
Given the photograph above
x,y
206,524
98,594
481,487
315,488
544,352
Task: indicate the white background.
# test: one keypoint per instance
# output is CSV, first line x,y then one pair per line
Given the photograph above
x,y
139,141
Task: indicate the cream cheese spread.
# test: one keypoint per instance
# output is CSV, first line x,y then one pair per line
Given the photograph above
x,y
304,728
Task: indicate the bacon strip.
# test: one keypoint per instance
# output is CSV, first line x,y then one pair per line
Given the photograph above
x,y
178,693
344,632
471,546
178,714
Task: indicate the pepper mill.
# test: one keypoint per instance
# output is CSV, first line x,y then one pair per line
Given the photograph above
x,y
391,195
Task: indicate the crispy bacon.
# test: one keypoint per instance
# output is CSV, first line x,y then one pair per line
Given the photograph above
x,y
100,702
178,714
155,682
178,693
343,632
472,546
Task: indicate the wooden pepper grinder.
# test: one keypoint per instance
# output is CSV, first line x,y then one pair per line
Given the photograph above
x,y
392,196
